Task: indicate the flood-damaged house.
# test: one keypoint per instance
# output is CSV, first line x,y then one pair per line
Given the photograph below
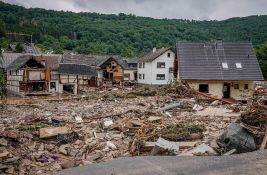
x,y
119,70
222,69
51,61
157,67
113,69
27,76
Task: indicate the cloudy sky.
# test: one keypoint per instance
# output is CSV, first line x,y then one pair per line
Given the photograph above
x,y
185,9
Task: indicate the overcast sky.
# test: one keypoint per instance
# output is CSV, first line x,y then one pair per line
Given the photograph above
x,y
179,9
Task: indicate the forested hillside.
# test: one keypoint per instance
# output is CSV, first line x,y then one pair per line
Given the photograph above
x,y
127,35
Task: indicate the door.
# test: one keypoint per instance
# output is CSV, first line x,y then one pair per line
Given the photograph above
x,y
226,90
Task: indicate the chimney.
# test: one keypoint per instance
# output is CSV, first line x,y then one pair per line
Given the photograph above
x,y
154,49
219,44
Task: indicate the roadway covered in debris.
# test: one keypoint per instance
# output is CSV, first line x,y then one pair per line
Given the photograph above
x,y
41,135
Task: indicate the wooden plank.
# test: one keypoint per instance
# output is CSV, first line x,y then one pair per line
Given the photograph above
x,y
181,144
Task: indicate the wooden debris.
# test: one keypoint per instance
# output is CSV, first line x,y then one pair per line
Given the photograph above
x,y
51,132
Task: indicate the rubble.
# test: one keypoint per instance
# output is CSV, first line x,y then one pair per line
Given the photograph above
x,y
69,131
200,150
50,132
163,145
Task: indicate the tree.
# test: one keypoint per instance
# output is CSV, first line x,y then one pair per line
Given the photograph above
x,y
2,78
262,57
19,48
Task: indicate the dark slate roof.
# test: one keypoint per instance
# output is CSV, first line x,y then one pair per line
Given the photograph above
x,y
153,55
91,60
19,62
203,61
97,60
8,58
77,69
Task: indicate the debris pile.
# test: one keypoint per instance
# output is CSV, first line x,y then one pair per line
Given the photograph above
x,y
44,135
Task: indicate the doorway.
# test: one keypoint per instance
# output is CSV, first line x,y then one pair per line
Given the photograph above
x,y
226,90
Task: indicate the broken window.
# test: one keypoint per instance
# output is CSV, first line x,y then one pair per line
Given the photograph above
x,y
245,86
160,76
53,85
238,65
160,65
126,75
140,76
236,86
204,88
140,65
225,65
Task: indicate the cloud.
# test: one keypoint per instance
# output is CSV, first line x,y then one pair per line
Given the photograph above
x,y
179,9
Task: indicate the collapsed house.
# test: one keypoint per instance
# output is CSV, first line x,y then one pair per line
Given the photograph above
x,y
157,67
26,76
119,70
113,69
73,76
223,69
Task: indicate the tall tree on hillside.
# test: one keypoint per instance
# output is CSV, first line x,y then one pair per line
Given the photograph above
x,y
2,78
262,57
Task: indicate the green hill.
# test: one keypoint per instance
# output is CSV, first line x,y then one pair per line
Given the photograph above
x,y
127,35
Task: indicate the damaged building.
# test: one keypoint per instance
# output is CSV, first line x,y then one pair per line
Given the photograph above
x,y
27,76
72,77
223,69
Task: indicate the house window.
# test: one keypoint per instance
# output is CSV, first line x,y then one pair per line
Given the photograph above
x,y
236,86
143,76
53,85
160,76
204,88
140,76
160,65
10,73
225,65
143,65
140,65
171,70
126,75
17,72
169,55
246,86
238,65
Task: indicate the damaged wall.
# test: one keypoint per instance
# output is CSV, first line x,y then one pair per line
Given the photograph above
x,y
216,88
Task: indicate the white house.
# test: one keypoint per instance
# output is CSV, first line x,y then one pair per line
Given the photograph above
x,y
157,67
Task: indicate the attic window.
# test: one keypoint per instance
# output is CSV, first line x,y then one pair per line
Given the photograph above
x,y
238,65
225,65
169,55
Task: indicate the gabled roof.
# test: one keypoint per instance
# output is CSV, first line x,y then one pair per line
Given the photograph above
x,y
91,60
21,61
153,55
77,69
8,58
203,61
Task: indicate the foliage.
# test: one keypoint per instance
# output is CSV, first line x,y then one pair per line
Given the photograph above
x,y
126,35
19,48
262,57
2,79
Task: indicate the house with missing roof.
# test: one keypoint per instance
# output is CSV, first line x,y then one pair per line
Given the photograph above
x,y
222,69
110,69
157,67
27,76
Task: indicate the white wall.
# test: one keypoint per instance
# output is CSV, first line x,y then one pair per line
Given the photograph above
x,y
131,72
150,71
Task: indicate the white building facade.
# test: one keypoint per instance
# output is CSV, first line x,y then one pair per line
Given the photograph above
x,y
156,68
